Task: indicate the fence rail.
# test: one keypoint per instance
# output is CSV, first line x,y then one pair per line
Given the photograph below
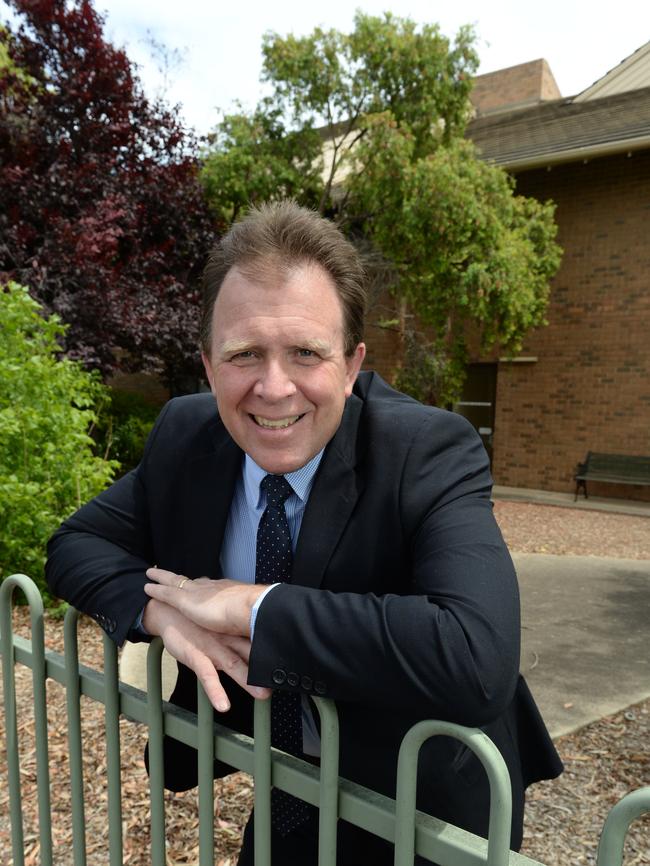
x,y
397,820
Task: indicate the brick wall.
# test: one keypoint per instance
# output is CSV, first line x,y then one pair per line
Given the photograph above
x,y
525,84
590,388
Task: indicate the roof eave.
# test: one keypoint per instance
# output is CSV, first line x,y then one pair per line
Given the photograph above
x,y
609,148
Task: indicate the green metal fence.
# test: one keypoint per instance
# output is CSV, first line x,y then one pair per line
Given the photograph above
x,y
395,820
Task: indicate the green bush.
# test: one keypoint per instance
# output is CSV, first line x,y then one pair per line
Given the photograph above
x,y
47,464
123,425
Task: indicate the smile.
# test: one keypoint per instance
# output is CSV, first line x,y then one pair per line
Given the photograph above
x,y
275,423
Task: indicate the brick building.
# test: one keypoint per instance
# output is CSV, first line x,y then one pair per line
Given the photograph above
x,y
583,382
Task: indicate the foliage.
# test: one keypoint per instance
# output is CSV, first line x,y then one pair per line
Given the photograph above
x,y
124,421
255,158
469,255
429,375
47,465
102,213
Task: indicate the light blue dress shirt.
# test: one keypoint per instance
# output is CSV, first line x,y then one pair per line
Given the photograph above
x,y
239,548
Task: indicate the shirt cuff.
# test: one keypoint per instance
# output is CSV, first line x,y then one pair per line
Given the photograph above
x,y
138,633
257,604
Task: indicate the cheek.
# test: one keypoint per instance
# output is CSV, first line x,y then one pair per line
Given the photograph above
x,y
231,386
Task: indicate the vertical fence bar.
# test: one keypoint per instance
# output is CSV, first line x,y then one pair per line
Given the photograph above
x,y
621,815
11,722
329,781
262,776
156,768
113,760
498,852
40,718
73,704
205,737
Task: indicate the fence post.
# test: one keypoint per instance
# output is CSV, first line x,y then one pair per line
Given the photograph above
x,y
156,767
621,815
329,781
205,757
113,760
35,602
73,704
498,851
262,779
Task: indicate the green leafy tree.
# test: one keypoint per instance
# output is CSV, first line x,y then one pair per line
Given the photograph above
x,y
472,260
256,158
47,464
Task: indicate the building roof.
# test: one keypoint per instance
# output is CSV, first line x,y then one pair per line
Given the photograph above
x,y
564,130
630,74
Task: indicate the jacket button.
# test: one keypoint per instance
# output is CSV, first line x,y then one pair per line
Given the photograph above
x,y
279,676
319,687
292,678
112,625
307,683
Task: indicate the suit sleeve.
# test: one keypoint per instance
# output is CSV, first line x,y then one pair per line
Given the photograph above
x,y
449,646
98,557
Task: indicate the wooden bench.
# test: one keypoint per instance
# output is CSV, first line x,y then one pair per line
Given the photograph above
x,y
612,469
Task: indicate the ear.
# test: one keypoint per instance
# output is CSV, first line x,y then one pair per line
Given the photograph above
x,y
207,366
353,365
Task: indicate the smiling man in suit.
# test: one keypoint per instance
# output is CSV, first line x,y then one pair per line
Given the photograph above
x,y
317,533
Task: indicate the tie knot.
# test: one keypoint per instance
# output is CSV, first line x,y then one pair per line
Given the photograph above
x,y
277,489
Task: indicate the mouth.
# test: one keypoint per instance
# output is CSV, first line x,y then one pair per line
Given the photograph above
x,y
276,423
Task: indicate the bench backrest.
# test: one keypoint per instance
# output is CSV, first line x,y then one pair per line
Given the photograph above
x,y
626,466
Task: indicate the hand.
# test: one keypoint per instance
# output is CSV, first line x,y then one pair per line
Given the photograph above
x,y
222,606
203,651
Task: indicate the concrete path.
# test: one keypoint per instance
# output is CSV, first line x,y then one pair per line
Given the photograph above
x,y
585,635
634,507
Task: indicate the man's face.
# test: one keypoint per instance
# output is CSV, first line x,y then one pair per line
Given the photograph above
x,y
277,365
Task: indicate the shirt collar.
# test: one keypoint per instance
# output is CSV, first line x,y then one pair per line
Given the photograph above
x,y
301,480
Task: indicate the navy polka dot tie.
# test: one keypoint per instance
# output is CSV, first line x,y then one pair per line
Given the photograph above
x,y
273,563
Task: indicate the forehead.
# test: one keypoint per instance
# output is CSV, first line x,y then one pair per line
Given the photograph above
x,y
303,295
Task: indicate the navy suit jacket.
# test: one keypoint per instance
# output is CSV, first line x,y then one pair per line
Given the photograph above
x,y
403,604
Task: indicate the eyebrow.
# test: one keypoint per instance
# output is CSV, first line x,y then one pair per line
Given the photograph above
x,y
232,347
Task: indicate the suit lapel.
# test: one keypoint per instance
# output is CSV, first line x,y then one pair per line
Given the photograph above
x,y
209,486
334,495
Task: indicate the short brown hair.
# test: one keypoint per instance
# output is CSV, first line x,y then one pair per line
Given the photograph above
x,y
283,235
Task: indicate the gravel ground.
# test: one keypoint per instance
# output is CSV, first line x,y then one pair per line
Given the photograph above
x,y
603,761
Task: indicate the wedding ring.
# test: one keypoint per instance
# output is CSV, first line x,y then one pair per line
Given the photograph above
x,y
180,585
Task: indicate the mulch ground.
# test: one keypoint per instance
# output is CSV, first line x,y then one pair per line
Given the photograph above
x,y
564,817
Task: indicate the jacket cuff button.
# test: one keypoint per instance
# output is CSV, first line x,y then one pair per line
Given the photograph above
x,y
319,687
279,676
307,683
292,678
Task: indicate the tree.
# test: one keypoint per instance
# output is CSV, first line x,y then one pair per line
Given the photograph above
x,y
461,249
47,465
102,213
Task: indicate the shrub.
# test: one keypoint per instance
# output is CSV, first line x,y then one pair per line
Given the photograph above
x,y
123,425
47,464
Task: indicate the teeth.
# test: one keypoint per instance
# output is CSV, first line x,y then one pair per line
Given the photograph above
x,y
279,422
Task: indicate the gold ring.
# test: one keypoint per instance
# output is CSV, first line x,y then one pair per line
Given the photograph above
x,y
180,585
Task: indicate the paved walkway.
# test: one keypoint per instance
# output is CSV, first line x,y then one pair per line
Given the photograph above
x,y
585,626
566,500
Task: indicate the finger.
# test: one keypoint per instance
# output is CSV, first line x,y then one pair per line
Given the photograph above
x,y
168,594
237,669
164,577
209,679
239,645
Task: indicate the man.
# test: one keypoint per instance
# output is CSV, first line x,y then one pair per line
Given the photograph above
x,y
319,534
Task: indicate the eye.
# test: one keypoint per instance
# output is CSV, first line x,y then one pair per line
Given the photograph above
x,y
307,356
242,358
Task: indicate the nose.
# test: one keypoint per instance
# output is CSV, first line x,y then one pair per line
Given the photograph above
x,y
274,383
